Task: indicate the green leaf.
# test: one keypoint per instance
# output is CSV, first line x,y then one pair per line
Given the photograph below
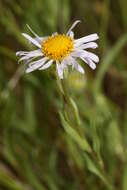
x,y
83,144
94,169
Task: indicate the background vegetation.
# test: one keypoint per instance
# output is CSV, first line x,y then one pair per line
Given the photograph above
x,y
38,151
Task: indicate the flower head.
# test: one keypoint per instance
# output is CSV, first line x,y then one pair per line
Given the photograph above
x,y
61,49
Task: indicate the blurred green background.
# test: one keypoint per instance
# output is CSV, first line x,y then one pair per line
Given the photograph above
x,y
36,153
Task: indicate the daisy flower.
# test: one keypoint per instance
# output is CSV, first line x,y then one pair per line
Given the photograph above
x,y
61,49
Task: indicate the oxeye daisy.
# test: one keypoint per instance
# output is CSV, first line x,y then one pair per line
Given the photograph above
x,y
61,49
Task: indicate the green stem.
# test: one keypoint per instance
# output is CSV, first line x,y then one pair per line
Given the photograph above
x,y
72,105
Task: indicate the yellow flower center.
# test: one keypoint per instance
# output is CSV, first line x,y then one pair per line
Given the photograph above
x,y
57,47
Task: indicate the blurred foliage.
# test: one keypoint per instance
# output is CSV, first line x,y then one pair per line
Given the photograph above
x,y
38,148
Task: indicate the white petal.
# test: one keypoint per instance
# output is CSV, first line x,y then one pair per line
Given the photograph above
x,y
76,53
29,60
59,70
40,39
65,62
20,53
86,54
71,34
35,52
73,62
47,65
31,54
90,55
92,45
92,64
37,38
86,39
79,68
89,62
23,58
70,60
73,25
32,31
55,33
17,53
33,41
36,64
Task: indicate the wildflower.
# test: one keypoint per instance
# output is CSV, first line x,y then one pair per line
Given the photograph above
x,y
61,49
